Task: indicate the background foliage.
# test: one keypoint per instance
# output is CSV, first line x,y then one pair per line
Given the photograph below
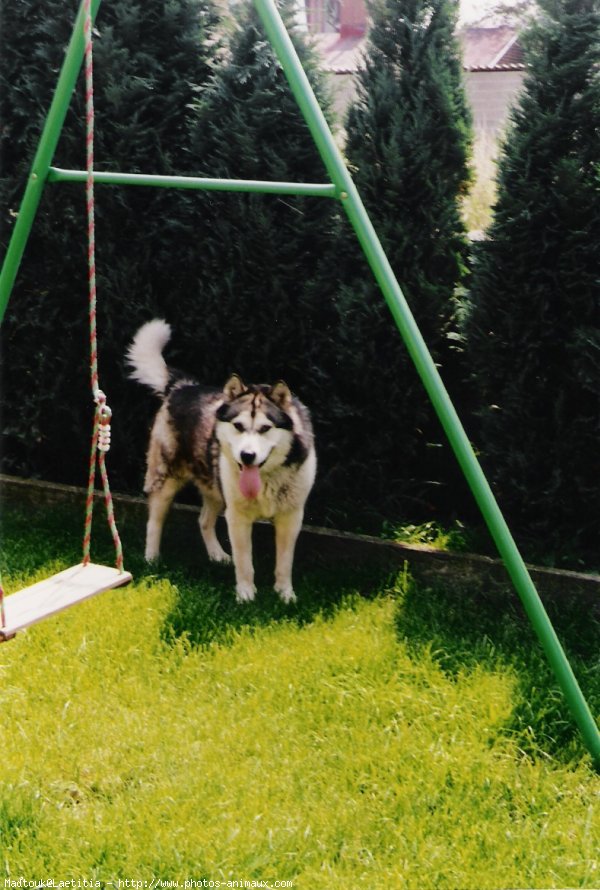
x,y
274,287
222,268
149,62
533,328
408,144
255,305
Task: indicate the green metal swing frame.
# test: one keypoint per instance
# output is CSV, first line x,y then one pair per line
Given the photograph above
x,y
342,189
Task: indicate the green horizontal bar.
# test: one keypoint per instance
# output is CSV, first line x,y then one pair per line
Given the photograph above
x,y
313,189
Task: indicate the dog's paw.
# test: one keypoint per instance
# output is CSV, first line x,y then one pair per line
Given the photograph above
x,y
151,556
286,593
245,593
219,555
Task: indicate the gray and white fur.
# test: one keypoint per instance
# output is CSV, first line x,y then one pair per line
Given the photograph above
x,y
249,449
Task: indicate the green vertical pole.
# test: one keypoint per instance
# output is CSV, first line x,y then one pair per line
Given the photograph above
x,y
425,365
43,157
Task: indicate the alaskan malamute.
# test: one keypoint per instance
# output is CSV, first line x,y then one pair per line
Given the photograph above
x,y
248,449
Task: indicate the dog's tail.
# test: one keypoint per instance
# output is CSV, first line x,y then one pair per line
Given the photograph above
x,y
145,355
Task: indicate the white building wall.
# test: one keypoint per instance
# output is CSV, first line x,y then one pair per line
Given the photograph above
x,y
491,94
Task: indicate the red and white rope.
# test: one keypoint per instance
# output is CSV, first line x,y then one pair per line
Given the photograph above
x,y
101,431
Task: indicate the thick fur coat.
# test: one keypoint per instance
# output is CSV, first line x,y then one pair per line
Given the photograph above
x,y
249,449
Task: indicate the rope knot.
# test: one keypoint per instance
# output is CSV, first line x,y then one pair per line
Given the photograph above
x,y
104,415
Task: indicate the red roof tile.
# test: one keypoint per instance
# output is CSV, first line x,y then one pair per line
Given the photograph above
x,y
489,49
340,55
484,49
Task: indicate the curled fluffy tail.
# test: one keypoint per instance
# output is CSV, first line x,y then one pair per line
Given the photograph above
x,y
145,355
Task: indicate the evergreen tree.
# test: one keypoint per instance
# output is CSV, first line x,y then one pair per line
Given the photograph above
x,y
408,140
533,328
256,313
149,60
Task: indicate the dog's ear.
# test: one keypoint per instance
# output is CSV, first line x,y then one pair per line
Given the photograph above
x,y
280,394
234,388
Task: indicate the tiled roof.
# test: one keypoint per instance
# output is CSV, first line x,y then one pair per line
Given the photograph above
x,y
484,49
491,49
340,55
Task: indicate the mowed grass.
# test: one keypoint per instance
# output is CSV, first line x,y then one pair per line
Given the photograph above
x,y
376,735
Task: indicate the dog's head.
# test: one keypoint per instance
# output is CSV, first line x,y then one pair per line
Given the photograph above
x,y
254,424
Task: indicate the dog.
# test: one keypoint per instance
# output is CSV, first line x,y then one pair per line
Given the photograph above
x,y
248,449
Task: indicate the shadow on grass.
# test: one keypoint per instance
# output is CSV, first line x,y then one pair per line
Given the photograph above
x,y
20,811
461,631
206,610
32,540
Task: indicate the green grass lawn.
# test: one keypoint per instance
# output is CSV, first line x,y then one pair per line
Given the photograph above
x,y
377,735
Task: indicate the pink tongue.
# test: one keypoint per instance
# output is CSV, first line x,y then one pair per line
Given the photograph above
x,y
250,482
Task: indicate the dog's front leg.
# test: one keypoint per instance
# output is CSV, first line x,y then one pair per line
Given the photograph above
x,y
240,535
287,529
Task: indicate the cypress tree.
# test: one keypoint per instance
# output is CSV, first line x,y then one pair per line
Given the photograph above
x,y
258,310
256,313
408,140
534,317
150,60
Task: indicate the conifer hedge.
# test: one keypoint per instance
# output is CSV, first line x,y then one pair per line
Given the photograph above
x,y
150,59
533,328
231,272
270,286
255,312
258,306
408,143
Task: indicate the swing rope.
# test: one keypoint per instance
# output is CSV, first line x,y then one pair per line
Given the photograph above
x,y
65,589
101,429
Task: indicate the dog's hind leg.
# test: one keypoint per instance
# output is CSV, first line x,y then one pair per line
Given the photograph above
x,y
159,502
211,509
287,529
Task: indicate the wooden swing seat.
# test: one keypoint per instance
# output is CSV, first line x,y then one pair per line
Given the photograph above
x,y
54,594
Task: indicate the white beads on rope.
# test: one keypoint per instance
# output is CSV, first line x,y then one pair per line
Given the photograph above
x,y
104,418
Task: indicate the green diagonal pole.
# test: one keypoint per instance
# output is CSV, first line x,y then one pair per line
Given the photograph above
x,y
43,157
432,381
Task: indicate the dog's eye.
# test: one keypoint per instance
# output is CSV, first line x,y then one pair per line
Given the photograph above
x,y
239,427
264,429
